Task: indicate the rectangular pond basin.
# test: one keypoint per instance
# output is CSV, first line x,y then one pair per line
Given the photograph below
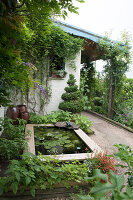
x,y
59,143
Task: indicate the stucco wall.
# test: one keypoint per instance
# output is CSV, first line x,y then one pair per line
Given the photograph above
x,y
58,85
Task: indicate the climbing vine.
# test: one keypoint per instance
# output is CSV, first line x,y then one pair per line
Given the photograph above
x,y
117,55
53,43
16,40
48,49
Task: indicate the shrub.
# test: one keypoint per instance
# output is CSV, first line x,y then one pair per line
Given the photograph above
x,y
72,98
37,119
54,117
12,141
101,161
83,122
124,113
32,172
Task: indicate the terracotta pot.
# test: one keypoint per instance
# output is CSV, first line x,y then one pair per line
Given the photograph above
x,y
25,115
13,113
54,75
22,108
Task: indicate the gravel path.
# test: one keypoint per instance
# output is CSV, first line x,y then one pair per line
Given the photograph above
x,y
106,135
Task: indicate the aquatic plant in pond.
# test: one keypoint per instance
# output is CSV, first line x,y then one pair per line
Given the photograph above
x,y
57,141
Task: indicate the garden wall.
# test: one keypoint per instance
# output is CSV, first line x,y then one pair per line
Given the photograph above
x,y
34,98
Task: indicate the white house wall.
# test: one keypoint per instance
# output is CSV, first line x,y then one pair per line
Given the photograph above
x,y
58,85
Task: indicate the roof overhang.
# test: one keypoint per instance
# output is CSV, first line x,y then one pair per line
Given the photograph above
x,y
91,40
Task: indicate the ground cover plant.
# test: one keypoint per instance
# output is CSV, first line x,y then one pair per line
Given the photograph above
x,y
12,140
31,172
53,117
63,116
84,123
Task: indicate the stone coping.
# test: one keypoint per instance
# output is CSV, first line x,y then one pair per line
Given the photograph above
x,y
29,136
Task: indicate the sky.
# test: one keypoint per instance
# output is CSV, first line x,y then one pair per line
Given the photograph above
x,y
105,16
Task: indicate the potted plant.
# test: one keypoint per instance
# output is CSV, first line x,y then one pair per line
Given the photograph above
x,y
59,73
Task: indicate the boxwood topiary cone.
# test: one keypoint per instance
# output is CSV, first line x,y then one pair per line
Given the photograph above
x,y
72,97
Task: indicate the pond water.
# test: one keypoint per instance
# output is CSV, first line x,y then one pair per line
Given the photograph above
x,y
54,141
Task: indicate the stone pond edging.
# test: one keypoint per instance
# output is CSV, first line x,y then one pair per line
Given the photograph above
x,y
64,157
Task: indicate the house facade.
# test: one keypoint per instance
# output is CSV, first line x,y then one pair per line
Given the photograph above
x,y
56,83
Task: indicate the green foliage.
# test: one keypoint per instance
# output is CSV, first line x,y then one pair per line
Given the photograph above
x,y
49,141
52,42
104,94
12,141
117,56
54,117
24,34
125,153
124,113
127,89
61,73
71,89
34,173
115,185
83,122
36,119
11,66
88,78
123,108
72,98
101,161
93,90
71,106
110,186
62,116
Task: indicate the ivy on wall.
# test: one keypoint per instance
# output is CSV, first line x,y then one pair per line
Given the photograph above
x,y
46,49
54,43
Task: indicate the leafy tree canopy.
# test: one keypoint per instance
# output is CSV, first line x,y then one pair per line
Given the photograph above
x,y
14,14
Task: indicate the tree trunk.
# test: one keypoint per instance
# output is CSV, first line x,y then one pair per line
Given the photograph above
x,y
111,97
